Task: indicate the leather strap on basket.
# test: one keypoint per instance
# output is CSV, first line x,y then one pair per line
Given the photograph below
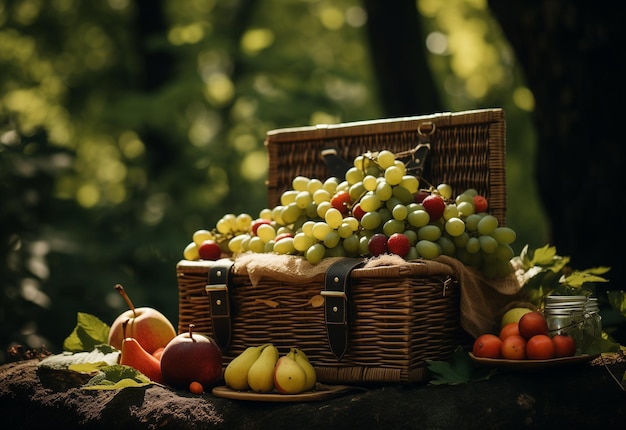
x,y
337,283
217,291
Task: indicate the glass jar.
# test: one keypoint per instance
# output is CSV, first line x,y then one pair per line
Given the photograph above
x,y
593,324
566,315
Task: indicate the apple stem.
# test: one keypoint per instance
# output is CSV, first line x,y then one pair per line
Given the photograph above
x,y
122,292
191,327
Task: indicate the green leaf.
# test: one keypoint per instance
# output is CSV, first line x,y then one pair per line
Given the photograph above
x,y
89,332
617,299
100,354
117,377
458,369
579,277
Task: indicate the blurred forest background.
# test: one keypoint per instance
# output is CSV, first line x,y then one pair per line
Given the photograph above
x,y
126,125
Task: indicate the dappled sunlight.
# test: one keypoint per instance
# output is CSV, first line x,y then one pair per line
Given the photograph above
x,y
254,166
256,40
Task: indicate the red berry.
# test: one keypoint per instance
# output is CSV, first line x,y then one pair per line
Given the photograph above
x,y
435,206
399,244
340,201
377,244
282,236
480,204
256,223
357,212
420,196
209,250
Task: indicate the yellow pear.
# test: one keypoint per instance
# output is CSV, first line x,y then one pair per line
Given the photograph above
x,y
309,370
236,372
261,372
289,376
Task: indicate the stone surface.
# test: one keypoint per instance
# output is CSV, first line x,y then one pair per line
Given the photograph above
x,y
574,396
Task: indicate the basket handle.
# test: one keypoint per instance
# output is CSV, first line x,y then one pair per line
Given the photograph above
x,y
336,284
217,291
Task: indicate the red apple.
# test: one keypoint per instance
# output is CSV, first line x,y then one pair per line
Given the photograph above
x,y
191,357
531,324
209,250
147,325
564,345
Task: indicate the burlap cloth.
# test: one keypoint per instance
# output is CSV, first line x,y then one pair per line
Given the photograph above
x,y
482,303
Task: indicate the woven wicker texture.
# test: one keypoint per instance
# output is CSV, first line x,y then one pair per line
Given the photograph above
x,y
468,150
402,316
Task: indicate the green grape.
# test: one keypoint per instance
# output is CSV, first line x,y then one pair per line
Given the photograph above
x,y
223,226
487,224
392,203
445,191
412,207
333,218
351,245
332,239
455,226
471,222
303,198
307,228
370,182
269,247
504,252
356,191
361,162
412,254
447,246
411,183
385,158
256,244
465,208
283,229
504,235
402,194
363,245
418,218
450,211
427,249
488,244
311,210
265,213
345,230
322,208
300,183
384,191
393,226
320,230
400,165
354,175
284,246
331,185
371,220
411,235
473,245
302,242
461,241
385,215
321,195
429,232
287,197
393,175
352,222
291,213
471,192
399,212
191,252
341,186
243,222
336,251
200,236
235,244
276,214
266,232
464,198
370,202
373,169
314,185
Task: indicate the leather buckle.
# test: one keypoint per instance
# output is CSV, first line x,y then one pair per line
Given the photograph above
x,y
219,304
336,303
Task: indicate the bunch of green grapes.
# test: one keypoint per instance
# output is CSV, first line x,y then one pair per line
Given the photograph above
x,y
376,208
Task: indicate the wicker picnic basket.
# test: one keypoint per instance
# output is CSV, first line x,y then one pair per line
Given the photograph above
x,y
394,317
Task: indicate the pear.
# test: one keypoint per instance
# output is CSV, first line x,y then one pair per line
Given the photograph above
x,y
135,356
236,372
289,376
261,372
303,361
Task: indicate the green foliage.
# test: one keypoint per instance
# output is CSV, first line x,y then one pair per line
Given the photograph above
x,y
89,332
459,369
117,377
